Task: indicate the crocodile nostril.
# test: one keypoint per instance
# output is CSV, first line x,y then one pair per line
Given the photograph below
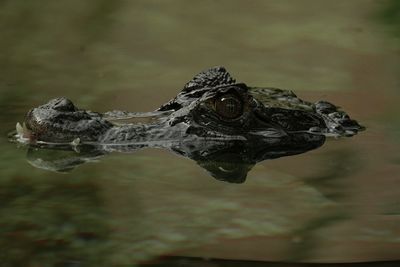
x,y
64,104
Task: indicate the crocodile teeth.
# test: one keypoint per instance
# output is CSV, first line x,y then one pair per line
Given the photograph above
x,y
22,130
76,141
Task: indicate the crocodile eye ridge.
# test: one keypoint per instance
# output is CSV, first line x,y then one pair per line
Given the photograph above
x,y
228,106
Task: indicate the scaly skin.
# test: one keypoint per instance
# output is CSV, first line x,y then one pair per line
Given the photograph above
x,y
267,112
226,127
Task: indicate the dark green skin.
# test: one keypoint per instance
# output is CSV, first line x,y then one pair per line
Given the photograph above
x,y
272,123
267,113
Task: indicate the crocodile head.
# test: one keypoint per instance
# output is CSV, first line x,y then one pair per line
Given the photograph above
x,y
211,106
226,127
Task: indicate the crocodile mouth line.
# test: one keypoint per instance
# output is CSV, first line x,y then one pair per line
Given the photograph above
x,y
232,115
219,123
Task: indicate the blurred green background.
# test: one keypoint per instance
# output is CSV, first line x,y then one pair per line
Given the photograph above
x,y
336,204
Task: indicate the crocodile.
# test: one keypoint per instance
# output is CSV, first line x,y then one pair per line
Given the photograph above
x,y
212,116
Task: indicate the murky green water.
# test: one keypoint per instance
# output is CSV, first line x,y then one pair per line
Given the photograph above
x,y
340,203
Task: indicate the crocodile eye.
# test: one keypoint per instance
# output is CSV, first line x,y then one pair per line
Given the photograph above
x,y
229,106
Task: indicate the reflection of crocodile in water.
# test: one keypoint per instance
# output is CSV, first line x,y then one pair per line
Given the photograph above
x,y
225,126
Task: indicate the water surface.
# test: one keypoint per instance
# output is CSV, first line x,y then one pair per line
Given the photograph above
x,y
339,203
